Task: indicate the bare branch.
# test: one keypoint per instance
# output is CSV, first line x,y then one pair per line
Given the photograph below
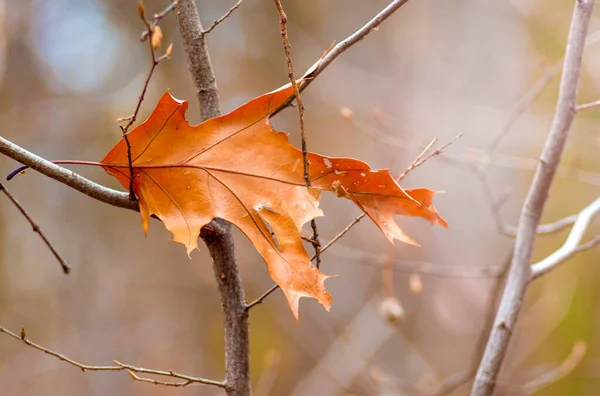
x,y
261,298
287,48
349,41
421,158
564,368
417,162
36,228
198,59
520,271
225,16
119,366
587,105
469,156
525,102
217,234
509,230
151,31
572,244
157,19
65,176
136,377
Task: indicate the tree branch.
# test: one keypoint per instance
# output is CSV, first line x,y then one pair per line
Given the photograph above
x,y
561,371
520,271
65,176
199,65
225,16
217,234
118,366
287,48
571,245
348,42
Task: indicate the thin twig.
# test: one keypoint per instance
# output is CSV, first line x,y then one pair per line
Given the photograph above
x,y
119,366
524,103
208,92
419,267
520,271
572,244
461,378
36,228
287,48
587,105
420,160
157,18
150,31
561,371
225,16
261,298
348,42
422,157
416,160
67,177
507,229
466,156
136,377
327,246
437,151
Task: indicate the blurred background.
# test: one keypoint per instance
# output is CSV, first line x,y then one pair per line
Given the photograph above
x,y
70,68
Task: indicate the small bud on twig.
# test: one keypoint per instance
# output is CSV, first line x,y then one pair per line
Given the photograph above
x,y
141,10
156,37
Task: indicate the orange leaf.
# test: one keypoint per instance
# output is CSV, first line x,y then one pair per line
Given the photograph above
x,y
236,167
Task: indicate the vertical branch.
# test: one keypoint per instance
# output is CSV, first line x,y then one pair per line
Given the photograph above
x,y
290,70
199,65
217,235
219,240
520,271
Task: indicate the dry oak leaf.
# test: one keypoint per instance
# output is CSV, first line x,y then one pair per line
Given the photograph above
x,y
238,168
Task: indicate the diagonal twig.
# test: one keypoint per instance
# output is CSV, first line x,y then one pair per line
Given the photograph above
x,y
421,158
157,18
586,106
119,199
225,16
36,228
558,373
525,102
348,42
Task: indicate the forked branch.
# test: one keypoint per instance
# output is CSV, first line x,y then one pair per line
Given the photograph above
x,y
520,272
572,244
187,380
